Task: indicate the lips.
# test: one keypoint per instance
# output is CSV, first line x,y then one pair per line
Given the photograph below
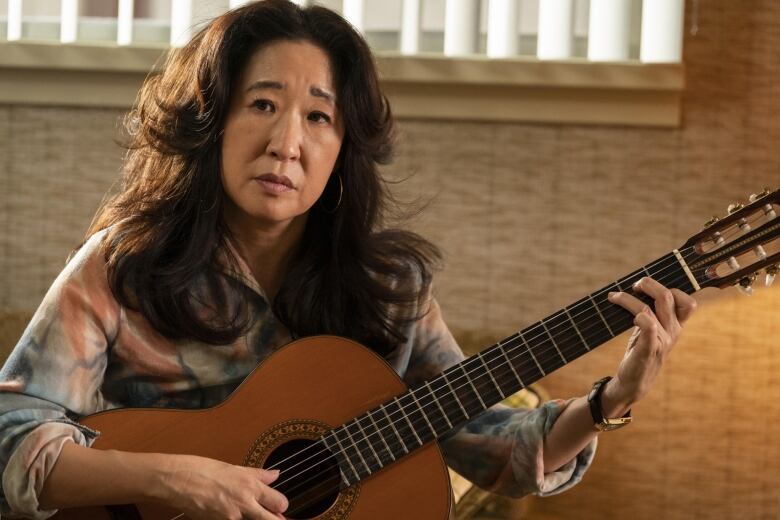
x,y
276,179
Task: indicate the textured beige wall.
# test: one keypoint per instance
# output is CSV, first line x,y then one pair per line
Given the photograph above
x,y
531,218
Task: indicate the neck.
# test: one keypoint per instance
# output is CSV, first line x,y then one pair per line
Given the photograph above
x,y
267,247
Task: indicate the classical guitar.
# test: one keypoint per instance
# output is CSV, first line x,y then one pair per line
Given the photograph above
x,y
362,445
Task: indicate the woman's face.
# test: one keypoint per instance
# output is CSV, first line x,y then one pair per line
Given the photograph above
x,y
282,133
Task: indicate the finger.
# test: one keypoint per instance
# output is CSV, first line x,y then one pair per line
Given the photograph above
x,y
629,302
267,476
272,500
260,513
653,338
664,302
684,305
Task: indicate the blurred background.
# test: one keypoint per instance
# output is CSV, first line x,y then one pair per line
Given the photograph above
x,y
561,144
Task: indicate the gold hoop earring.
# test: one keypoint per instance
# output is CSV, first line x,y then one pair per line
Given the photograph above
x,y
341,193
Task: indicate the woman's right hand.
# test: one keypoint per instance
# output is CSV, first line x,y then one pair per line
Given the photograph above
x,y
204,488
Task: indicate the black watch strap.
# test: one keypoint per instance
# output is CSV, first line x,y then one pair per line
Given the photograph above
x,y
594,402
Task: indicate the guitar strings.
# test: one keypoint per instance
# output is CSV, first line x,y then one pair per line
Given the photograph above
x,y
727,235
401,408
504,364
382,460
405,441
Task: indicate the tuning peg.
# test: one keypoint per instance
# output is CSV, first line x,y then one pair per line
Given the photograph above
x,y
735,207
761,195
771,272
746,284
711,221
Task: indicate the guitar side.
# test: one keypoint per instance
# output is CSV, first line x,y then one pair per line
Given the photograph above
x,y
322,380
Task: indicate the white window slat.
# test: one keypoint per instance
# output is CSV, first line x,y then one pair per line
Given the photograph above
x,y
69,20
124,22
14,20
411,13
556,26
352,10
609,30
662,30
502,28
461,27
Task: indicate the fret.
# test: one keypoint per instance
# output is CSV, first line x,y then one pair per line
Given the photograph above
x,y
509,362
454,412
425,416
415,418
553,342
487,369
367,439
357,449
436,400
332,433
452,391
590,297
528,349
590,326
406,417
563,331
471,383
576,329
381,435
390,423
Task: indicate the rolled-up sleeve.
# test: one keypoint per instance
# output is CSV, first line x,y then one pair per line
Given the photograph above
x,y
502,449
52,376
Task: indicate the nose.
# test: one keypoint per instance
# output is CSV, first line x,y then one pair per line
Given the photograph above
x,y
285,140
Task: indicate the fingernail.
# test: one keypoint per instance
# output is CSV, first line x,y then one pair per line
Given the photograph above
x,y
275,472
611,295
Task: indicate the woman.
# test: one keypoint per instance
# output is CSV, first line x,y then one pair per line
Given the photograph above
x,y
249,215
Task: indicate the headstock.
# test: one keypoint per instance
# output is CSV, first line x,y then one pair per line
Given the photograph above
x,y
731,250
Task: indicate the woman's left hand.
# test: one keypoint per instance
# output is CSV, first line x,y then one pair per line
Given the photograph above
x,y
653,338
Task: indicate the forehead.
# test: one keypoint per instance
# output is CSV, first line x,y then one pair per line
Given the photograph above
x,y
289,62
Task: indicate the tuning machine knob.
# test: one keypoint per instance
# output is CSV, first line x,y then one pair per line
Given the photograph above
x,y
746,284
734,207
711,221
771,272
761,195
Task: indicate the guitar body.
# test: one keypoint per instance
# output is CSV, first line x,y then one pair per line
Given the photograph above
x,y
300,391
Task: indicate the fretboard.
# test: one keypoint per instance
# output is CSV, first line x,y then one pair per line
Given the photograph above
x,y
436,407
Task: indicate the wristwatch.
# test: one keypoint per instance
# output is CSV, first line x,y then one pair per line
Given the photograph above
x,y
594,401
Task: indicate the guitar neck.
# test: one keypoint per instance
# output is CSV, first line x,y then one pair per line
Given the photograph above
x,y
436,407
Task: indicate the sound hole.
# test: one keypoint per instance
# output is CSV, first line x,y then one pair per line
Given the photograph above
x,y
309,477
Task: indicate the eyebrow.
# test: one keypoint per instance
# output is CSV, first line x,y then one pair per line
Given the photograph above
x,y
314,91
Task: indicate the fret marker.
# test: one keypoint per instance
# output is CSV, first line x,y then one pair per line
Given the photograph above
x,y
688,272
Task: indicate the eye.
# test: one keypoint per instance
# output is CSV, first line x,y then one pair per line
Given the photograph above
x,y
319,117
263,105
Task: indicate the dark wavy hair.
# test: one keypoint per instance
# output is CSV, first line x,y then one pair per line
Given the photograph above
x,y
165,225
